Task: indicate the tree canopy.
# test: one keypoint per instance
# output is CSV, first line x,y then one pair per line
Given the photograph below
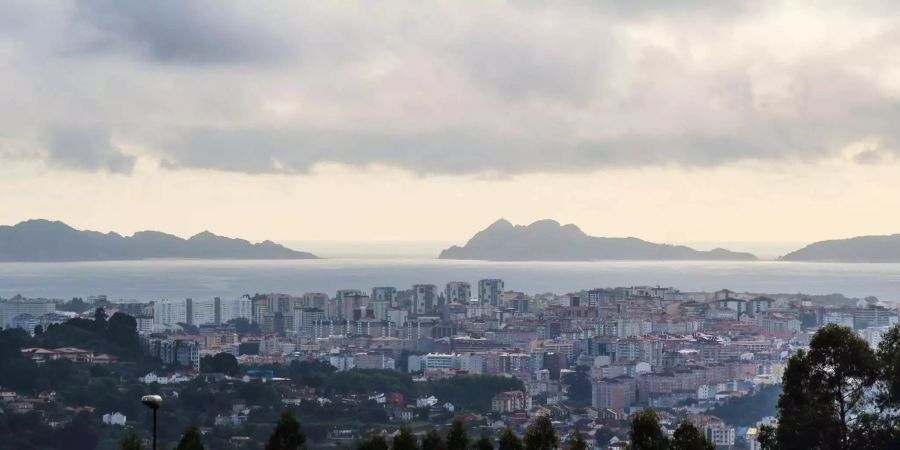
x,y
541,435
840,394
288,435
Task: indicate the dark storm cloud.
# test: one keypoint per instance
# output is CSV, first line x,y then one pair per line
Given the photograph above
x,y
197,31
86,149
446,88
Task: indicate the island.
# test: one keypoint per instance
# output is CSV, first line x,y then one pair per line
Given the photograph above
x,y
49,241
860,249
548,240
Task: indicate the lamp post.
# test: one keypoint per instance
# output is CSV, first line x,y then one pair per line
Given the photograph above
x,y
153,402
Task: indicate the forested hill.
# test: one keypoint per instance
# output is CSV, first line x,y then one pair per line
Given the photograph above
x,y
858,249
43,240
548,240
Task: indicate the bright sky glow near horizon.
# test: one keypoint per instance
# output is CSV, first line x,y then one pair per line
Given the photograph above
x,y
690,121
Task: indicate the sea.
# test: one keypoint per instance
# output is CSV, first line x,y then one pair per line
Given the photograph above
x,y
176,279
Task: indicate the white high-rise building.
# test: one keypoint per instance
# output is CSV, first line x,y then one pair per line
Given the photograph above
x,y
238,308
170,312
203,311
458,292
425,299
490,292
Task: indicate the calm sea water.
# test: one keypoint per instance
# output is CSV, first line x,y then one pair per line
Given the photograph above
x,y
149,280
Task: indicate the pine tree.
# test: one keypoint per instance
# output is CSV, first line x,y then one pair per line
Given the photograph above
x,y
191,440
509,441
433,441
404,440
131,441
578,442
457,438
540,435
288,435
483,443
374,442
689,437
645,433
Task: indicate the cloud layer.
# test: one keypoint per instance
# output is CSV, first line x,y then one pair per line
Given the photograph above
x,y
447,87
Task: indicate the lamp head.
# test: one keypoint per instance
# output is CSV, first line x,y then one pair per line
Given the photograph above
x,y
152,401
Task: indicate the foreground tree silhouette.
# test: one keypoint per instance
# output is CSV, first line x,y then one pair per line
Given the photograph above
x,y
578,442
457,438
689,437
483,443
288,434
645,433
822,404
540,435
433,440
374,442
191,440
131,441
404,440
509,441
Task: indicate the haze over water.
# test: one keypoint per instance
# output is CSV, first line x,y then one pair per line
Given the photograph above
x,y
151,280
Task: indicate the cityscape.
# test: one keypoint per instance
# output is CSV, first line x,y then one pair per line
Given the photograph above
x,y
423,355
449,225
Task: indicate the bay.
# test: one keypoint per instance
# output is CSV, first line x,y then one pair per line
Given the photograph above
x,y
172,279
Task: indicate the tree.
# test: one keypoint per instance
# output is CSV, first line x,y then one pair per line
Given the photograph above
x,y
603,436
100,320
373,442
579,386
38,330
689,437
457,438
131,441
244,327
121,330
578,442
288,435
220,363
509,440
645,432
483,443
404,440
191,440
824,400
433,441
82,433
540,435
845,365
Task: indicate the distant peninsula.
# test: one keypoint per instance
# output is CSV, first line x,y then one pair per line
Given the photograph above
x,y
45,241
861,249
547,240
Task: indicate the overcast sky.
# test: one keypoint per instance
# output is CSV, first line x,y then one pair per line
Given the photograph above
x,y
671,121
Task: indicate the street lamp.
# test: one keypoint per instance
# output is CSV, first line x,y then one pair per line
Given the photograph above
x,y
153,402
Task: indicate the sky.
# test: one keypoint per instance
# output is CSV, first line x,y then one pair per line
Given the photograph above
x,y
690,121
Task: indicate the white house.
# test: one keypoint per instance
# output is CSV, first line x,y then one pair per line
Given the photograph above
x,y
426,402
115,418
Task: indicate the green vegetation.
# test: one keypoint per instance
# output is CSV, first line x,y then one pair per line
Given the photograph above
x,y
220,363
540,435
288,434
840,394
509,441
646,434
191,440
747,411
473,392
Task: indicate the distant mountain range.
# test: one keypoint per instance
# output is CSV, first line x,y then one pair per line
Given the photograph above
x,y
547,240
43,240
857,249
